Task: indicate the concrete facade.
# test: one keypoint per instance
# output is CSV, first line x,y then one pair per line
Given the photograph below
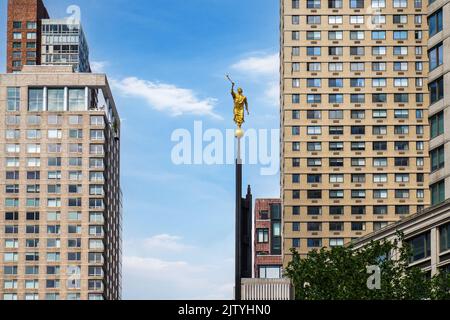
x,y
439,110
354,118
433,226
60,197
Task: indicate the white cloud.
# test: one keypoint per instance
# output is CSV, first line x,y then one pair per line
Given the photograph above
x,y
165,242
263,70
259,65
98,66
153,278
161,267
167,97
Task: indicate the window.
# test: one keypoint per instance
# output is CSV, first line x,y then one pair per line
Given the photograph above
x,y
295,35
334,19
401,194
313,51
336,210
335,51
436,90
357,51
77,100
400,3
358,130
435,55
336,194
336,178
379,146
380,194
314,146
295,4
437,192
379,210
401,162
35,99
400,19
55,99
356,35
262,235
380,178
357,98
336,146
31,35
314,130
435,22
379,98
401,114
444,237
314,226
358,194
335,35
13,97
400,82
269,272
400,35
358,178
380,113
358,146
420,247
312,66
400,51
400,66
379,51
314,194
379,82
437,124
358,226
378,35
356,19
437,158
313,83
335,83
314,243
378,4
336,98
334,4
313,98
313,4
313,35
335,114
31,25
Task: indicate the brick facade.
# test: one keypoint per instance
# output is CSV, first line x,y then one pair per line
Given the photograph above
x,y
262,252
24,51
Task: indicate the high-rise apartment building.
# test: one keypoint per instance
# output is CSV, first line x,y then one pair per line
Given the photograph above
x,y
63,43
35,39
268,260
439,111
60,198
24,33
355,133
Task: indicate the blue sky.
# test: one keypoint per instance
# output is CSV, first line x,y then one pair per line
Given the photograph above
x,y
179,220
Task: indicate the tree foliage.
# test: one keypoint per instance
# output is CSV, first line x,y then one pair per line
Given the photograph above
x,y
340,273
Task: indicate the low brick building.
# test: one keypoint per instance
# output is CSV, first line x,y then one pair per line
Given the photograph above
x,y
267,240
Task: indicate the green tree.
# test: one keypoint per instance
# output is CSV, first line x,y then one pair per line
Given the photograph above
x,y
341,273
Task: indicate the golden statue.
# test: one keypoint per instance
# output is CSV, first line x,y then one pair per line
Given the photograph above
x,y
240,101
